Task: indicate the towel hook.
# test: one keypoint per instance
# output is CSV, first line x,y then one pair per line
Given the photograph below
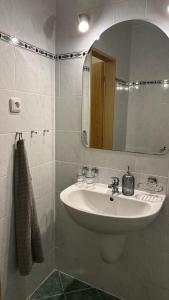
x,y
44,131
33,132
18,134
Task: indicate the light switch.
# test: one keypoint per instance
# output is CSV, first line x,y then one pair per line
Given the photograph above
x,y
15,105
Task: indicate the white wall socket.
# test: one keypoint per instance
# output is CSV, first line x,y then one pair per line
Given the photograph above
x,y
15,105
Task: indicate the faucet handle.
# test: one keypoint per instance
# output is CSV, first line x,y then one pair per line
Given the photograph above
x,y
85,169
94,171
115,181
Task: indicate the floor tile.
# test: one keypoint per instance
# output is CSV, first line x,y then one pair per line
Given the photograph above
x,y
57,297
60,286
71,284
89,294
50,287
105,296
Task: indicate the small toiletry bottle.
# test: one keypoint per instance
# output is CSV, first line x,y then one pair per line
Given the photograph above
x,y
89,177
128,183
80,177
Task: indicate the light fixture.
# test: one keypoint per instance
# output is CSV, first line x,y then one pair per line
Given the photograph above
x,y
14,40
168,8
98,38
83,23
166,83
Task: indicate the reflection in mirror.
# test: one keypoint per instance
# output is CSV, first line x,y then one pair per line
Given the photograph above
x,y
126,90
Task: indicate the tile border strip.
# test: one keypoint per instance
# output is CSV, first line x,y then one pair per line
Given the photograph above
x,y
34,49
71,55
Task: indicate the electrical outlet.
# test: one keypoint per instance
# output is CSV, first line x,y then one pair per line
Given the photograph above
x,y
15,105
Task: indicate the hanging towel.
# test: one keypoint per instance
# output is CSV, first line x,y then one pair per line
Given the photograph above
x,y
28,238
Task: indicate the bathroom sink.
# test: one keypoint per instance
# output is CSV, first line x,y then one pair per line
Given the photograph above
x,y
96,209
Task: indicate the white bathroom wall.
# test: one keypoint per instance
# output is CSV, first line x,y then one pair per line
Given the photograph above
x,y
32,78
154,53
142,272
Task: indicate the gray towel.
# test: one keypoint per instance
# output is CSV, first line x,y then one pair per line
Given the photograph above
x,y
28,238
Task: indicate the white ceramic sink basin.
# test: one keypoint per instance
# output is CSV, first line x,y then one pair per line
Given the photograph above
x,y
93,208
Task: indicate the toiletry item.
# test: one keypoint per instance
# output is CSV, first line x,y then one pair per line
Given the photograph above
x,y
90,177
80,177
128,183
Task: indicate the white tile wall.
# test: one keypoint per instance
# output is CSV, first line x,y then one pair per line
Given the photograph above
x,y
70,107
33,21
71,78
141,273
31,78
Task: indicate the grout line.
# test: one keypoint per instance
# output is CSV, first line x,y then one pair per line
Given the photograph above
x,y
41,283
26,92
146,7
26,132
43,164
67,131
14,67
79,290
64,294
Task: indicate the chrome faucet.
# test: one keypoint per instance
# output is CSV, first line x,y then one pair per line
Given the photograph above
x,y
114,185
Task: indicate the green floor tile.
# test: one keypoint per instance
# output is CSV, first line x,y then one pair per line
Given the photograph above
x,y
71,284
50,287
89,294
105,296
57,297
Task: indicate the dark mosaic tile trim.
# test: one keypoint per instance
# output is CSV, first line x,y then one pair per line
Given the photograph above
x,y
59,286
8,38
27,46
86,69
71,55
141,82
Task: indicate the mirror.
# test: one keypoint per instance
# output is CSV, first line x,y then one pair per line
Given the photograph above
x,y
126,90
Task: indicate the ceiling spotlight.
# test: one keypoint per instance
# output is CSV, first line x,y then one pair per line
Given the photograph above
x,y
83,23
14,40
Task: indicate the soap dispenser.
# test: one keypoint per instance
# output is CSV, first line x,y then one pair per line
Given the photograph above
x,y
128,183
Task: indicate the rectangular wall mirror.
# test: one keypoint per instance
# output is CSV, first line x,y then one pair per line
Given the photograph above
x,y
126,90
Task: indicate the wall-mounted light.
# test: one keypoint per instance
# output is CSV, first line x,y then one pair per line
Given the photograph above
x,y
166,84
83,23
168,8
14,40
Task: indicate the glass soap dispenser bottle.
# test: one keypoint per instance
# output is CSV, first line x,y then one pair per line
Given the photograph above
x,y
128,183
